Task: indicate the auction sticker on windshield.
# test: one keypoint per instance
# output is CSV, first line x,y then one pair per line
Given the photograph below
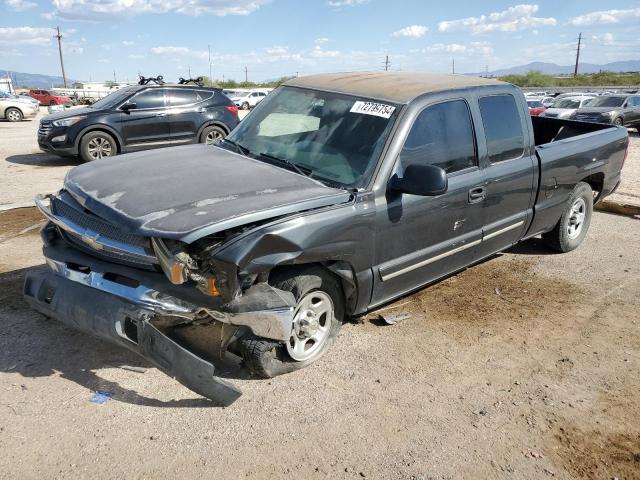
x,y
371,108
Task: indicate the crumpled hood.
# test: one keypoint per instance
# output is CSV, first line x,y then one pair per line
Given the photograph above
x,y
188,192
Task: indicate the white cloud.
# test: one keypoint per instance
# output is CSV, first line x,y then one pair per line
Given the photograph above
x,y
103,60
318,52
412,31
345,3
20,5
14,36
179,52
606,17
606,39
513,19
321,40
104,10
474,48
127,43
134,56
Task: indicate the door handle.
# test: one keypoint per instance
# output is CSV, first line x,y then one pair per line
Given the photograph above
x,y
477,194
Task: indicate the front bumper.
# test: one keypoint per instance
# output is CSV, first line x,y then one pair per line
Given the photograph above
x,y
108,301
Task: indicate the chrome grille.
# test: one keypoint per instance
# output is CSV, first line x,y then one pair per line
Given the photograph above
x,y
589,117
96,224
44,129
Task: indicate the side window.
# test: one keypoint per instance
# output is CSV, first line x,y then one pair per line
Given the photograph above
x,y
152,98
502,127
177,97
205,94
441,135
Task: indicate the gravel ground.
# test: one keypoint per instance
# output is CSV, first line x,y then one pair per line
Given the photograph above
x,y
526,366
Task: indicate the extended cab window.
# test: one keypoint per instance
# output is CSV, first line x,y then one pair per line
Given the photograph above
x,y
153,98
502,127
442,135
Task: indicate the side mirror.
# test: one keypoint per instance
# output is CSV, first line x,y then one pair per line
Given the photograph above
x,y
129,106
423,180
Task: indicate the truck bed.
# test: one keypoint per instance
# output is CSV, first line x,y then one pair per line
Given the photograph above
x,y
568,150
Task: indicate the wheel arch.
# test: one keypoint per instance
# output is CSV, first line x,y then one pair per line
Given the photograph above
x,y
13,108
213,123
596,181
98,128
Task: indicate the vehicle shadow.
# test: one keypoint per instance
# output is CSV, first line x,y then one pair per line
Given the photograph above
x,y
532,246
35,346
43,160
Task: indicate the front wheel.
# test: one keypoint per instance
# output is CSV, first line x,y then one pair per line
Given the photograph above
x,y
317,319
97,145
618,122
13,114
211,135
572,227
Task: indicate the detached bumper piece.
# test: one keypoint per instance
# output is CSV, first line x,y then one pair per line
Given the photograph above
x,y
113,318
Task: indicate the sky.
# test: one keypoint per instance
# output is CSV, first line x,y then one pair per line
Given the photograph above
x,y
103,39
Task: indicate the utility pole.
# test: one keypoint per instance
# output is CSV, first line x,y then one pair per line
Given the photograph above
x,y
114,76
486,71
189,71
453,66
210,77
59,37
387,63
246,75
575,71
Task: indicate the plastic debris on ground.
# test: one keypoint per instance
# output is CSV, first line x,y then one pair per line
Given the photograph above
x,y
101,397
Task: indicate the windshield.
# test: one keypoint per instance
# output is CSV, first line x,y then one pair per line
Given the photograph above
x,y
114,98
335,138
566,103
607,102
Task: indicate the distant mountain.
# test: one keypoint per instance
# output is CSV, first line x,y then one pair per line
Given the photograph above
x,y
34,80
553,69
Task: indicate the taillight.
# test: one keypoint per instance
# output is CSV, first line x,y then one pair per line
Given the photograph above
x,y
232,108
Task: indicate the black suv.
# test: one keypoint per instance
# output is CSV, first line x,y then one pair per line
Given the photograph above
x,y
140,117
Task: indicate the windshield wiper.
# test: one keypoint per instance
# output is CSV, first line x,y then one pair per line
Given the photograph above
x,y
301,170
239,148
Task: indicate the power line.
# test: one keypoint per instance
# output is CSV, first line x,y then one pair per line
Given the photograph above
x,y
575,71
59,37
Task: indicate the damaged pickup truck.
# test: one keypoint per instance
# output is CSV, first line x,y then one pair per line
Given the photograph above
x,y
337,194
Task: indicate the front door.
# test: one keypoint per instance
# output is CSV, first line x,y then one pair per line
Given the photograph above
x,y
146,125
419,239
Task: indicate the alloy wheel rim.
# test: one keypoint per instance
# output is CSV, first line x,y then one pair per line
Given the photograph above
x,y
577,216
311,326
99,147
14,116
212,137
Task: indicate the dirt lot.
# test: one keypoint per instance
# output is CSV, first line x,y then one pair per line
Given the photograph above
x,y
526,366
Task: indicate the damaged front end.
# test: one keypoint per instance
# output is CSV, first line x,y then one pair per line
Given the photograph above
x,y
114,285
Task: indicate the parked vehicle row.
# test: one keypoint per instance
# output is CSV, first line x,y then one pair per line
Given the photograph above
x,y
48,97
250,98
139,117
15,108
341,193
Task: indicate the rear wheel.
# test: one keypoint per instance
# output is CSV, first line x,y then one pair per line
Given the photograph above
x,y
97,145
318,316
212,134
52,102
572,227
13,114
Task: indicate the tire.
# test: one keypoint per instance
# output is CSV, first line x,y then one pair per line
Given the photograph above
x,y
245,106
267,358
13,115
52,102
618,122
574,223
97,145
212,134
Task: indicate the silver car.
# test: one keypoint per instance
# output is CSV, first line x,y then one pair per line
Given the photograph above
x,y
566,106
16,109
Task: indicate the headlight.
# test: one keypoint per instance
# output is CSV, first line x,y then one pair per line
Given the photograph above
x,y
67,122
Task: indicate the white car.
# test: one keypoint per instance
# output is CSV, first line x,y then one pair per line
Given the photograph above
x,y
15,109
565,107
250,99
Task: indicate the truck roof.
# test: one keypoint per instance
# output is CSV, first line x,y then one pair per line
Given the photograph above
x,y
396,87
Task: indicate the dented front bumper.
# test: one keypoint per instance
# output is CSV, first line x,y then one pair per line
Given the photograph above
x,y
104,300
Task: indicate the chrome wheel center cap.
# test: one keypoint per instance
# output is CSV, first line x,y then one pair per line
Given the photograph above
x,y
307,326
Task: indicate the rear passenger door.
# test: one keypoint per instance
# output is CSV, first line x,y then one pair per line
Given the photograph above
x,y
419,239
509,165
184,114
